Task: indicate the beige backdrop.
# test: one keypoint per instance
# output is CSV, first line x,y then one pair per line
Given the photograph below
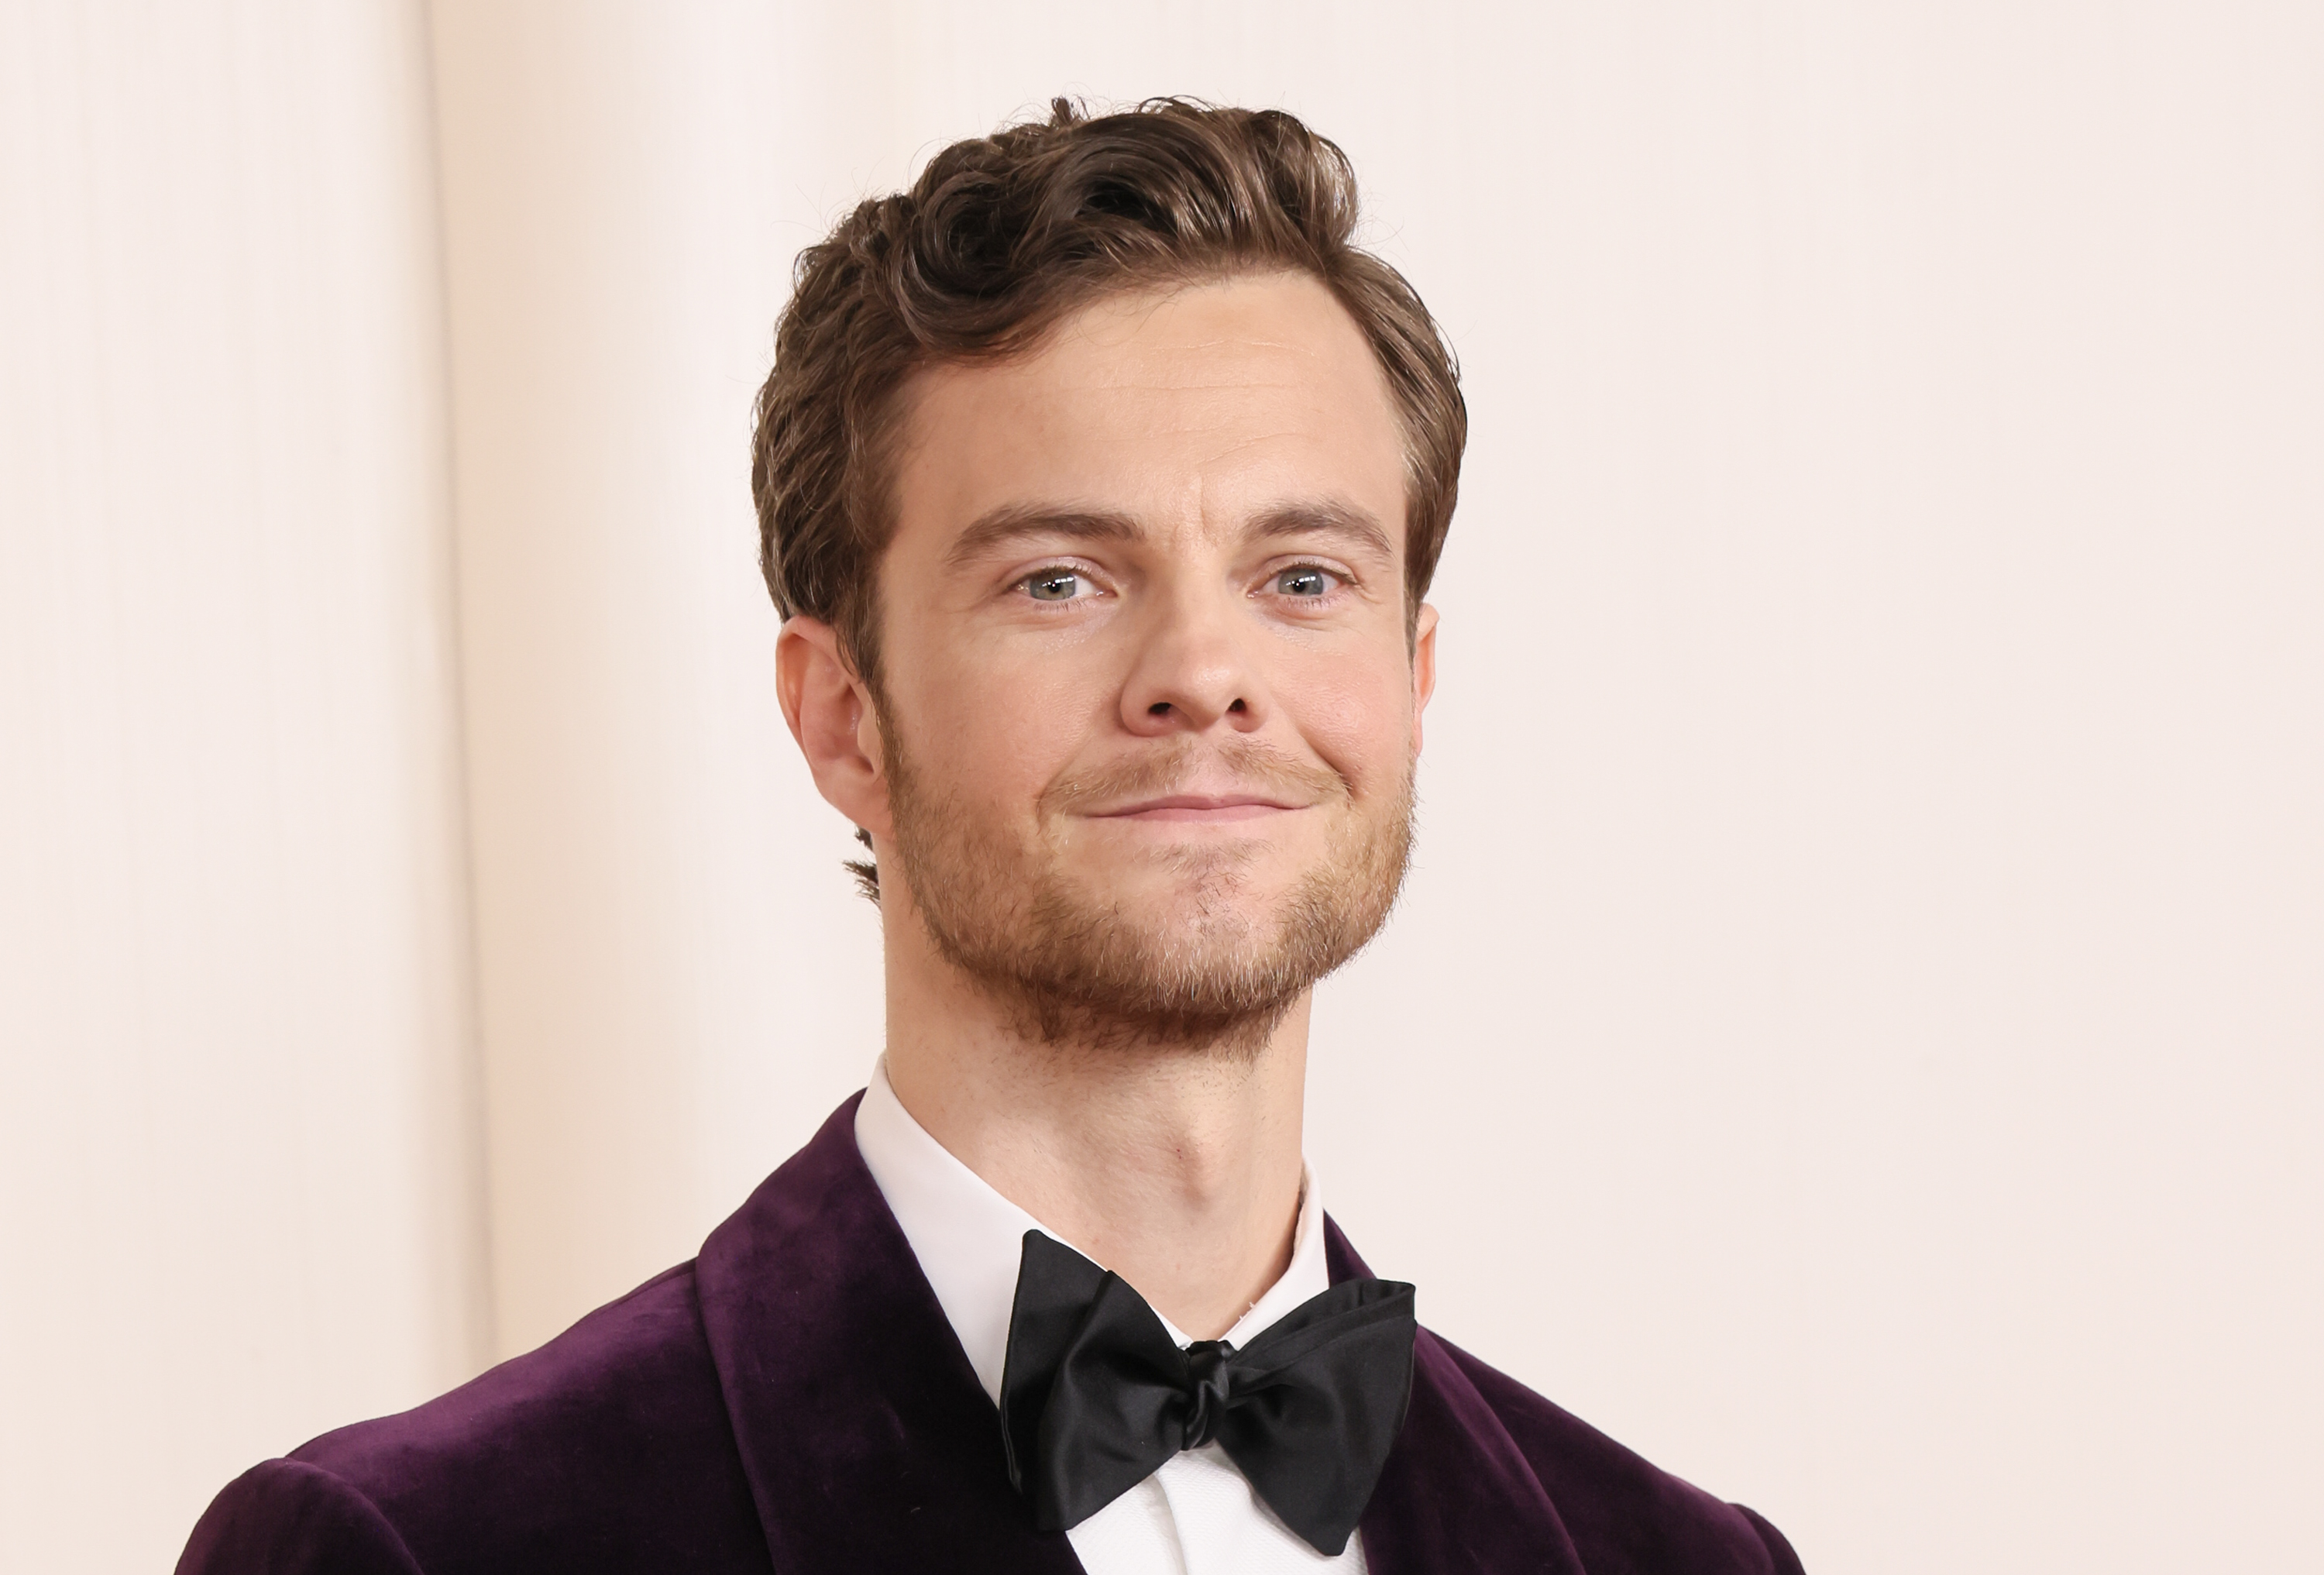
x,y
1856,1029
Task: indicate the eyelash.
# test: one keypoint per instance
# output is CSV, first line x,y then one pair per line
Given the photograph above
x,y
1053,571
1340,579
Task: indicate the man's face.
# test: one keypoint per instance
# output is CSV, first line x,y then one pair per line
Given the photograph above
x,y
1148,705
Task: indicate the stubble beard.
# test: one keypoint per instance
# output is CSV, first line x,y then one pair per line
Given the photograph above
x,y
1072,967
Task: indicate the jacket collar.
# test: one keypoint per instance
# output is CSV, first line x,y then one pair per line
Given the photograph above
x,y
869,1444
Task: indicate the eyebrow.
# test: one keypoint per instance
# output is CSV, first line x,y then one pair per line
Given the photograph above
x,y
1327,518
1014,521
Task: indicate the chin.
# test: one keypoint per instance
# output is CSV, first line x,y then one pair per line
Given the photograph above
x,y
1205,898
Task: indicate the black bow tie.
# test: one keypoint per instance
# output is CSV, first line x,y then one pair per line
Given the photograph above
x,y
1095,1396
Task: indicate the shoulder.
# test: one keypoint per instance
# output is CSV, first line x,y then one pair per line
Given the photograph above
x,y
1626,1516
285,1514
635,1368
606,1449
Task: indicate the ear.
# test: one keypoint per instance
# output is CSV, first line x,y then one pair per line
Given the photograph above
x,y
1424,667
831,715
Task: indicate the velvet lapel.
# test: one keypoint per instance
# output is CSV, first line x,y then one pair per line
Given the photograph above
x,y
868,1442
1456,1494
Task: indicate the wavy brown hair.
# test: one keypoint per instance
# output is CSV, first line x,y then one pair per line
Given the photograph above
x,y
1002,237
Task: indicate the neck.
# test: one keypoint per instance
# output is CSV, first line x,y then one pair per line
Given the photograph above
x,y
1179,1169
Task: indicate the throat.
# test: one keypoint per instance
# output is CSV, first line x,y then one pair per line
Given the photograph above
x,y
1179,1171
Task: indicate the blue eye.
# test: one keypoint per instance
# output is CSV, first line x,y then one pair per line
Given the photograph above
x,y
1053,586
1303,582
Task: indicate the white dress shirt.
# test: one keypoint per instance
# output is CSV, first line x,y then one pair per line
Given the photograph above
x,y
1195,1515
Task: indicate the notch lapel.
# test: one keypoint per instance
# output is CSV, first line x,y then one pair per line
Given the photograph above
x,y
867,1440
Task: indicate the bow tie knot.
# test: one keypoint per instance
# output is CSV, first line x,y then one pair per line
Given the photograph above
x,y
1095,1396
1208,1380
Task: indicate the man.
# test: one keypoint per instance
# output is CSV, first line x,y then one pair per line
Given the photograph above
x,y
1100,480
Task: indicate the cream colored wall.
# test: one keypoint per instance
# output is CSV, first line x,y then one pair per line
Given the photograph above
x,y
1855,1030
675,987
239,1153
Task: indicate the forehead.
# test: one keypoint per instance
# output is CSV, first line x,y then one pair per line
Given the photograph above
x,y
1197,407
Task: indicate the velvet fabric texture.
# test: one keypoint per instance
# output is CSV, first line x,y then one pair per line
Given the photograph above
x,y
794,1403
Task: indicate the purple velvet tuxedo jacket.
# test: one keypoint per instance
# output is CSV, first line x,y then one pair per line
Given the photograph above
x,y
794,1403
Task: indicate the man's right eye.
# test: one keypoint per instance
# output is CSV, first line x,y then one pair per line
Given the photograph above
x,y
1053,586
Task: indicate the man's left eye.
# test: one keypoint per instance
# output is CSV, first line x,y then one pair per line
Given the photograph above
x,y
1303,582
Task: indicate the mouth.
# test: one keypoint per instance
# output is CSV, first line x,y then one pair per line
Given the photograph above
x,y
1200,808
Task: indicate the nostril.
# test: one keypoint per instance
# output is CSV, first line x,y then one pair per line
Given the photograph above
x,y
1239,707
1159,708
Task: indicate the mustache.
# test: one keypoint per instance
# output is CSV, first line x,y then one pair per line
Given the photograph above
x,y
1250,766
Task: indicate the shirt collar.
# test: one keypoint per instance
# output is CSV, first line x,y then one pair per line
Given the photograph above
x,y
969,1238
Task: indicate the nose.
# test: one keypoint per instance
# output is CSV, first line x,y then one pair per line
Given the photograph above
x,y
1194,670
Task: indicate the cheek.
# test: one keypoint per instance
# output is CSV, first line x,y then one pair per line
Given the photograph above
x,y
1357,717
998,726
